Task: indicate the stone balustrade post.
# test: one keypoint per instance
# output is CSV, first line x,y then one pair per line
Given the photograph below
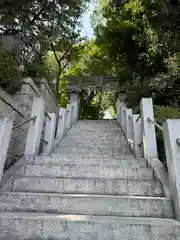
x,y
118,111
130,124
128,127
75,101
122,115
124,120
137,136
5,134
61,123
119,116
68,118
66,121
148,129
49,133
120,108
69,115
35,128
172,147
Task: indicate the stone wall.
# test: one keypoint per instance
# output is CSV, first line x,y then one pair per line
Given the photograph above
x,y
18,108
46,92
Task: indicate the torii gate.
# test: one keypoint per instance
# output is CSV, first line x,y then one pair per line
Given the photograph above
x,y
77,84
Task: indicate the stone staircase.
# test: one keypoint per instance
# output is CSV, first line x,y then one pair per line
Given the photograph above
x,y
90,188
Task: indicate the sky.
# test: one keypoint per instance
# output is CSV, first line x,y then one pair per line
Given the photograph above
x,y
87,30
107,115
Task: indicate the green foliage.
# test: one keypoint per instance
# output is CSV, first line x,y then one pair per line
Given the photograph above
x,y
142,40
10,78
89,106
89,60
43,27
112,111
162,113
63,98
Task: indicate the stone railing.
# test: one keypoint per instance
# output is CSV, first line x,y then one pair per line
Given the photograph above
x,y
140,132
18,107
45,131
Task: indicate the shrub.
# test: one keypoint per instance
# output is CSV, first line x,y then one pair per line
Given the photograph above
x,y
10,74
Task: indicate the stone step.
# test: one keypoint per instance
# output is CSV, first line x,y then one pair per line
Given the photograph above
x,y
88,136
98,150
98,122
78,139
91,160
101,121
96,132
88,186
84,227
87,204
85,171
92,135
91,144
96,126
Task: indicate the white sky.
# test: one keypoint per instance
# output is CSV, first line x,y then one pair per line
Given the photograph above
x,y
107,115
87,30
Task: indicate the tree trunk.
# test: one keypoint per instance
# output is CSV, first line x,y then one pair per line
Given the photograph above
x,y
58,79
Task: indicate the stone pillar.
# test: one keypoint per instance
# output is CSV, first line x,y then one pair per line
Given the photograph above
x,y
61,123
172,146
118,111
35,128
75,101
122,116
5,134
49,133
69,120
128,115
148,129
137,136
130,120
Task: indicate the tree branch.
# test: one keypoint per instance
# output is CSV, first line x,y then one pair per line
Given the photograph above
x,y
38,14
65,65
54,51
65,53
69,56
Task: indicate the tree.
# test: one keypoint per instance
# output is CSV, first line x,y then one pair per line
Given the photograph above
x,y
90,60
39,23
140,38
42,26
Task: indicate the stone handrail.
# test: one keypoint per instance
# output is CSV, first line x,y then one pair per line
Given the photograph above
x,y
36,138
24,122
141,135
155,124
